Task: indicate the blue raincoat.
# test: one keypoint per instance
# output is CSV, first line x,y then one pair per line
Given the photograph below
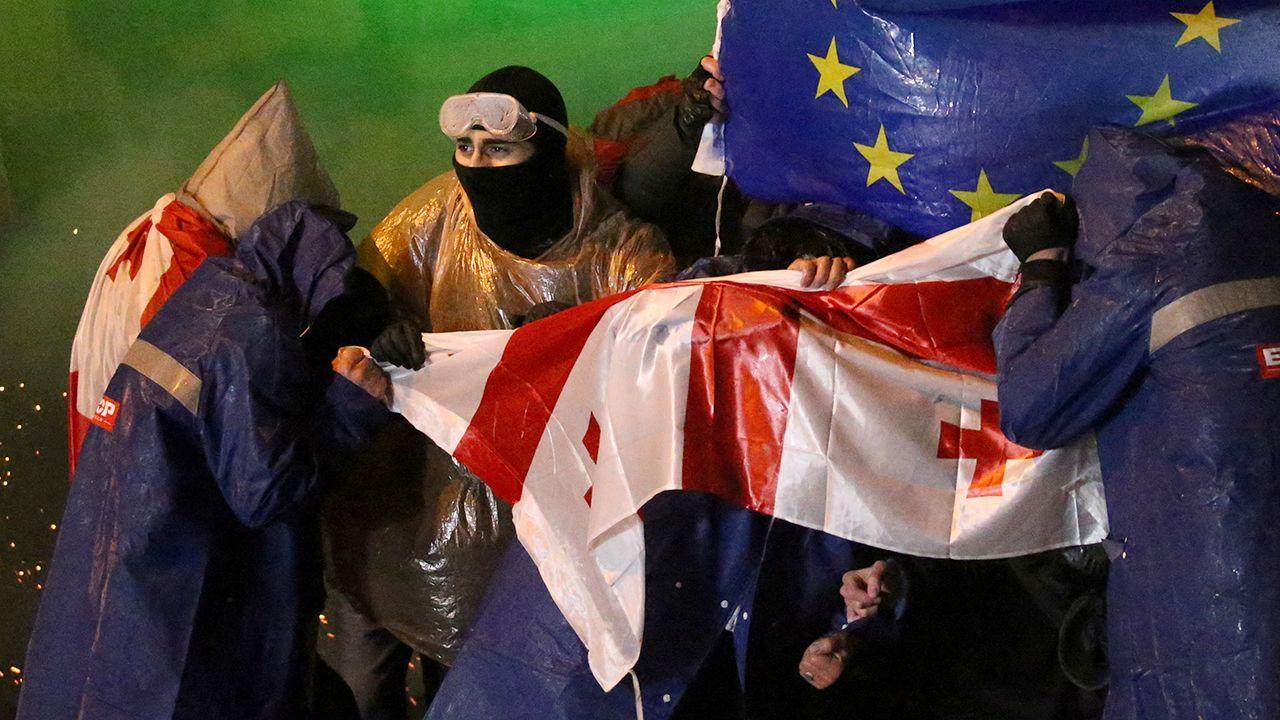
x,y
707,563
187,577
1164,349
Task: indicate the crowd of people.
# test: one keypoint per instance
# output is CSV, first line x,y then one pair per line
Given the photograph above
x,y
246,412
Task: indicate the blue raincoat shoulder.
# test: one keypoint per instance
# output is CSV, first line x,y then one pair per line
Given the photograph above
x,y
1161,350
186,573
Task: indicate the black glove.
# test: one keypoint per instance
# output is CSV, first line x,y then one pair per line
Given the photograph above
x,y
1046,223
401,344
694,109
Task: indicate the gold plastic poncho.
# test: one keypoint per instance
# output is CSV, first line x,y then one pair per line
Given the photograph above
x,y
442,270
413,536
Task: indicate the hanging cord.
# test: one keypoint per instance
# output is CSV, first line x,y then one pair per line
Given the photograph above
x,y
724,182
635,684
722,10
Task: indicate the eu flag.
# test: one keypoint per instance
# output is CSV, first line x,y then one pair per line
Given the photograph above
x,y
933,113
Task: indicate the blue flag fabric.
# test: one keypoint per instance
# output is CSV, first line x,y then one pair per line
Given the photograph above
x,y
933,113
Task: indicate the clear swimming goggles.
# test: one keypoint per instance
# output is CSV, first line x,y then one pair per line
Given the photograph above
x,y
502,115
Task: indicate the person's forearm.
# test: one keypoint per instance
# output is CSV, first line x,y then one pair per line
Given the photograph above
x,y
1040,272
1065,353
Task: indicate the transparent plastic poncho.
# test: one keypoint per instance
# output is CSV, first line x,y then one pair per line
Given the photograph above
x,y
413,535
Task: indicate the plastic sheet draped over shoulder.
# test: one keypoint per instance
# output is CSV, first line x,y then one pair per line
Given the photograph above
x,y
414,536
1247,145
441,269
413,540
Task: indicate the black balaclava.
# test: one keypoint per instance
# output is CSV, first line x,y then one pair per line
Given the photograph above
x,y
524,208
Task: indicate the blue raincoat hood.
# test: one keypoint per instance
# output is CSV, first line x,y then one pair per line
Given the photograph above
x,y
307,269
1126,175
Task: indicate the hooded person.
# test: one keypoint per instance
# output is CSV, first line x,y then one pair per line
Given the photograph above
x,y
516,224
187,577
1159,330
266,160
517,229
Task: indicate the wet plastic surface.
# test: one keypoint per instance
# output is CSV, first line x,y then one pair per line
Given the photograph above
x,y
1160,348
958,107
414,536
188,562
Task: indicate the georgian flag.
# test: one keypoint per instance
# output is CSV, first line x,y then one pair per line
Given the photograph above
x,y
154,255
868,412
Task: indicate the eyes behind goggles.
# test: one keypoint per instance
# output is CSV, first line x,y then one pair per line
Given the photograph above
x,y
500,114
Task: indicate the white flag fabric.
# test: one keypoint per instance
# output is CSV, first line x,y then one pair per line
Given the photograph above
x,y
868,412
149,260
265,161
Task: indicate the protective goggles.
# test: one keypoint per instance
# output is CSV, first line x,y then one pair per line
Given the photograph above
x,y
501,115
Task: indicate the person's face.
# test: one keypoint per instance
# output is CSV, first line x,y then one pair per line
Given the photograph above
x,y
479,148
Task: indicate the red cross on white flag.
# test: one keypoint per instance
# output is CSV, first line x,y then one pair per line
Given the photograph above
x,y
987,445
867,412
145,265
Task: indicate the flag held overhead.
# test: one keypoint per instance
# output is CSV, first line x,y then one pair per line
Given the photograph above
x,y
830,98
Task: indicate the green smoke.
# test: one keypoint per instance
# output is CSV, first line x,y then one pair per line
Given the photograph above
x,y
107,104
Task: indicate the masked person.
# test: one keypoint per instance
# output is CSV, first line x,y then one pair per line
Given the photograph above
x,y
518,229
187,574
1158,329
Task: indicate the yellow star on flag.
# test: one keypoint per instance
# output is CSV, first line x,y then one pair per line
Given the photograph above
x,y
834,5
884,162
832,73
1204,25
1160,106
983,200
1071,167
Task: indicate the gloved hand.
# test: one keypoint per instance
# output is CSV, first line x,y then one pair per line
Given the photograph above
x,y
701,100
400,344
1046,223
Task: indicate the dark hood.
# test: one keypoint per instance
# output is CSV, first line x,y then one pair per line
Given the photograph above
x,y
524,208
1246,143
1142,197
537,94
301,253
